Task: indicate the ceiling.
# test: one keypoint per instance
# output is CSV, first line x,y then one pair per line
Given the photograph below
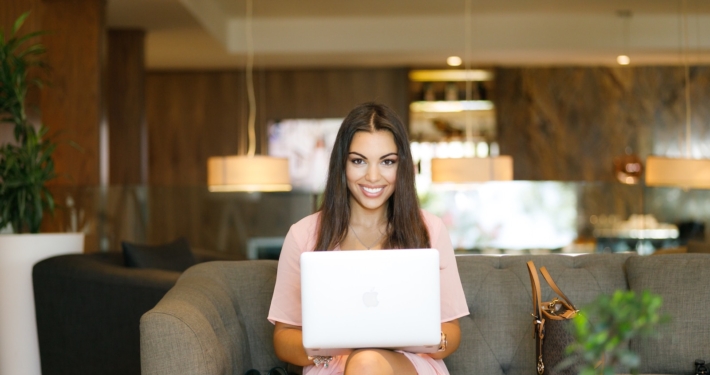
x,y
199,34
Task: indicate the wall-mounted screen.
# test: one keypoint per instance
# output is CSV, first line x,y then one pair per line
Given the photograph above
x,y
307,144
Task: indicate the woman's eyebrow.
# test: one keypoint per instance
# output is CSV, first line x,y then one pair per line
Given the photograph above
x,y
388,155
358,154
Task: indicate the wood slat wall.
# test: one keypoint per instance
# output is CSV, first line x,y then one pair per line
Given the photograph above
x,y
194,115
73,100
125,106
11,9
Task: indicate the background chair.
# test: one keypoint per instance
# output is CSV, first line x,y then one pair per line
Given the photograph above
x,y
88,310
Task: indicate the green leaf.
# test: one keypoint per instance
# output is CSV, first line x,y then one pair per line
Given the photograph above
x,y
50,199
18,23
35,49
605,327
19,41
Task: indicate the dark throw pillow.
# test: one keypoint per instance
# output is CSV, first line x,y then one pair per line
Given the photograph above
x,y
173,256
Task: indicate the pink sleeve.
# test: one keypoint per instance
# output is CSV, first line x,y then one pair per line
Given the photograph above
x,y
286,302
453,300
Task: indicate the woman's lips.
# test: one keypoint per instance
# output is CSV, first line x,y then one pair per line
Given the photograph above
x,y
372,192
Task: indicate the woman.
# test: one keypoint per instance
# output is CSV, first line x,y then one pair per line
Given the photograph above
x,y
369,203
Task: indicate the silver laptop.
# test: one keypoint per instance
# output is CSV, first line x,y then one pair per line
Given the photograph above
x,y
370,299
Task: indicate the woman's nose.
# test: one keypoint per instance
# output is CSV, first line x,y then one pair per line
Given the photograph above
x,y
373,173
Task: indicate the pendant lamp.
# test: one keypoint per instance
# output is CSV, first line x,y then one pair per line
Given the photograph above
x,y
248,172
624,59
687,173
470,169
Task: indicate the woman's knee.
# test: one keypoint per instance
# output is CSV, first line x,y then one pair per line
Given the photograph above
x,y
369,362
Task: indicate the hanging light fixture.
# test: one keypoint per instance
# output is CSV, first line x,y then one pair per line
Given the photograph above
x,y
624,58
248,172
470,169
685,172
628,167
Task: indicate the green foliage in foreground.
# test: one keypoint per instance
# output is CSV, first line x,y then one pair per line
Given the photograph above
x,y
604,329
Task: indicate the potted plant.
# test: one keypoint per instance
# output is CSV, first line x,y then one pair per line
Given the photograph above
x,y
25,167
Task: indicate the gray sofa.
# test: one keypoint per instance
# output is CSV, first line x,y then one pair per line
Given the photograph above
x,y
213,321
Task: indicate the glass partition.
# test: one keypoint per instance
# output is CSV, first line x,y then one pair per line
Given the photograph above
x,y
495,217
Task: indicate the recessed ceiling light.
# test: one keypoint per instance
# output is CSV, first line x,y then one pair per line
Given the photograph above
x,y
623,60
453,61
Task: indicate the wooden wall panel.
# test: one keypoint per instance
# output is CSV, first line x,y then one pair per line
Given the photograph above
x,y
72,107
191,116
11,9
73,101
194,115
333,93
125,106
568,123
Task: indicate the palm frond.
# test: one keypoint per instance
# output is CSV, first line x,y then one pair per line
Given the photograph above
x,y
18,23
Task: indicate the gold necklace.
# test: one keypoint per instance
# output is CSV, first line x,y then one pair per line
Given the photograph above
x,y
362,243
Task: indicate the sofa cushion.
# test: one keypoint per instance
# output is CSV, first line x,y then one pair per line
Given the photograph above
x,y
683,283
173,256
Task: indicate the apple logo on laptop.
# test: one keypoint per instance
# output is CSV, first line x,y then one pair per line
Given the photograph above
x,y
370,298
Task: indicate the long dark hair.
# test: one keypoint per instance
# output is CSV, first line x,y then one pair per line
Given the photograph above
x,y
405,225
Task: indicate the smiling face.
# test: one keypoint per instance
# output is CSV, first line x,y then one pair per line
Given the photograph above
x,y
371,169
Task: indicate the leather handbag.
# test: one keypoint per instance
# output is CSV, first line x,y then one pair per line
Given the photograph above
x,y
551,319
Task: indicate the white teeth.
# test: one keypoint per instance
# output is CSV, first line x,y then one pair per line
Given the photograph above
x,y
372,191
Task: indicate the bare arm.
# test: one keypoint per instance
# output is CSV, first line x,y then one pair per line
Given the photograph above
x,y
288,344
453,338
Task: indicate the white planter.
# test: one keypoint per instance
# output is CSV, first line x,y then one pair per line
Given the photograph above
x,y
19,349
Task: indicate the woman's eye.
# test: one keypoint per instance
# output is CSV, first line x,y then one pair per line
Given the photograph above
x,y
357,161
389,162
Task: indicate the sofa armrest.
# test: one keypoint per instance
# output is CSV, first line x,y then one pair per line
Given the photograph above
x,y
212,322
177,338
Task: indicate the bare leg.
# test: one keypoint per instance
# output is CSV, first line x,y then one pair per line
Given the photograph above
x,y
378,362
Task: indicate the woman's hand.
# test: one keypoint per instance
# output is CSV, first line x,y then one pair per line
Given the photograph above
x,y
453,338
288,344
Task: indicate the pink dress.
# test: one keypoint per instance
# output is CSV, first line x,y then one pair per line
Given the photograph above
x,y
286,302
